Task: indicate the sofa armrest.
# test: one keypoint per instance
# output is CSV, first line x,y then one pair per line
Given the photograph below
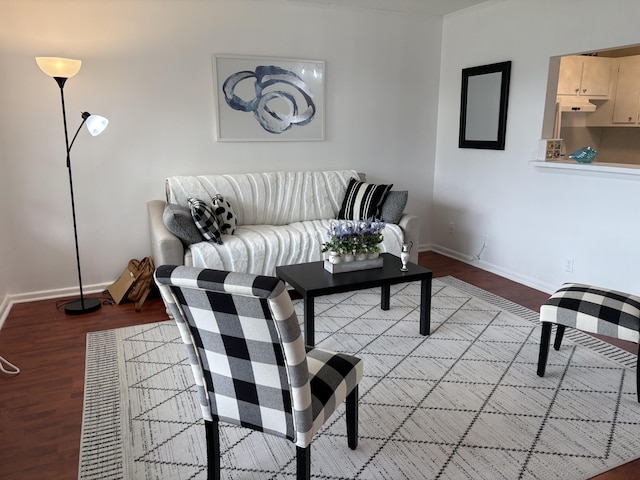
x,y
166,248
410,225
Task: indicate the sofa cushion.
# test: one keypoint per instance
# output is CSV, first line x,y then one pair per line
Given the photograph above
x,y
205,220
260,248
268,198
225,215
179,221
363,200
393,206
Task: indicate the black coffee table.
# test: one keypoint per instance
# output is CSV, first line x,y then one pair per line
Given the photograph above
x,y
311,280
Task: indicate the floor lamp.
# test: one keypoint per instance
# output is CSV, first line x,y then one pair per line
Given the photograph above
x,y
62,69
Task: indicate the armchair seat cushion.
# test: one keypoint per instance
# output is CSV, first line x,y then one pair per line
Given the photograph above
x,y
331,375
594,310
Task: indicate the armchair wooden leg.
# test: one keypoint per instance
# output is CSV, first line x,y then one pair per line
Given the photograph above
x,y
559,335
303,463
352,418
544,348
213,449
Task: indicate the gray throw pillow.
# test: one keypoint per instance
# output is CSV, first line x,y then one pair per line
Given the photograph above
x,y
178,221
393,206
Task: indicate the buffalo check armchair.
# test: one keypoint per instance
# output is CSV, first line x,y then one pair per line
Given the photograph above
x,y
249,360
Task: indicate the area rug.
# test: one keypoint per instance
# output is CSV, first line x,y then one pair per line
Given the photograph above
x,y
462,403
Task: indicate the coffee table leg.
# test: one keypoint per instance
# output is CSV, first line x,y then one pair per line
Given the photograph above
x,y
425,306
309,332
385,294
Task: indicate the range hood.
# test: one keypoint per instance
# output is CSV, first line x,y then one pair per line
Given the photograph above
x,y
575,104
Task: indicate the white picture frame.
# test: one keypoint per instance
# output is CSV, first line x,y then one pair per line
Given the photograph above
x,y
268,98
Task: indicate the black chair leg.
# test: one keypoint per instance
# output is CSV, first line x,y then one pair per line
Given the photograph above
x,y
303,462
544,348
352,418
213,449
559,335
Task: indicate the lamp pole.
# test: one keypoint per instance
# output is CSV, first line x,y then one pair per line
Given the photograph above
x,y
82,305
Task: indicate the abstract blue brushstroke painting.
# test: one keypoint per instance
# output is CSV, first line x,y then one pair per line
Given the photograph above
x,y
282,99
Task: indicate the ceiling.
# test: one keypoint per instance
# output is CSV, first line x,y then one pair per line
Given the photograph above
x,y
424,7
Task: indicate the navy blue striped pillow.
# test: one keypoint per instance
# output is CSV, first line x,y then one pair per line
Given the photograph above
x,y
363,200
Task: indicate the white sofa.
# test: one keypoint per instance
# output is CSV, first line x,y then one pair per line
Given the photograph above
x,y
282,218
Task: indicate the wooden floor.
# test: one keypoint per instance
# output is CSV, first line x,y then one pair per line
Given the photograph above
x,y
41,408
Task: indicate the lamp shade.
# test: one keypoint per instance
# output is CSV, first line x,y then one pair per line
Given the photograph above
x,y
96,124
57,67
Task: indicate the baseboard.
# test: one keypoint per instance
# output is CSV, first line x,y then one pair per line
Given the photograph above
x,y
452,254
5,307
10,300
490,267
425,247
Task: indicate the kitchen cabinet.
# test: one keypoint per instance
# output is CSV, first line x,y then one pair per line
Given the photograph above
x,y
626,106
586,76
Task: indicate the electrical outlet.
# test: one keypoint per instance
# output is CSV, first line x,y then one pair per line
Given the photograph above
x,y
568,265
452,228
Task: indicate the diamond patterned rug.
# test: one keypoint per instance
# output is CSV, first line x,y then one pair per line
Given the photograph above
x,y
463,403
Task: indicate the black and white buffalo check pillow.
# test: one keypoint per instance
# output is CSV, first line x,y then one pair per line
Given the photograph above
x,y
225,215
205,219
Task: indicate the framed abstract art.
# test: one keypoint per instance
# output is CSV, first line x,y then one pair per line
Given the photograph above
x,y
268,99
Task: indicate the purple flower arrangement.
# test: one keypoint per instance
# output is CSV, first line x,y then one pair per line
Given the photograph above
x,y
354,237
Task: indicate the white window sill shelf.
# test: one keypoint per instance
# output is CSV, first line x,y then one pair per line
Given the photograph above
x,y
596,167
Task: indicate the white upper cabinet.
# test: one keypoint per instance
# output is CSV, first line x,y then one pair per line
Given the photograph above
x,y
585,76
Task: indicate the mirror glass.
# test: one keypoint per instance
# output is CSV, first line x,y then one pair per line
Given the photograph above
x,y
483,106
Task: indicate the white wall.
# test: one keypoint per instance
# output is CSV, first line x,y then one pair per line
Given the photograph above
x,y
147,67
535,219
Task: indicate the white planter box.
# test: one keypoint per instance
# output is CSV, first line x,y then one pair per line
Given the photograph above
x,y
352,266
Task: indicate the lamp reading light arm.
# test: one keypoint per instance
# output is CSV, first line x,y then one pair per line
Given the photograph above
x,y
85,115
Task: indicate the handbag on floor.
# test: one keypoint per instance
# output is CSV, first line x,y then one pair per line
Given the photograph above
x,y
135,283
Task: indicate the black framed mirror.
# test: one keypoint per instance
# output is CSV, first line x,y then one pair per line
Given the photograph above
x,y
483,106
